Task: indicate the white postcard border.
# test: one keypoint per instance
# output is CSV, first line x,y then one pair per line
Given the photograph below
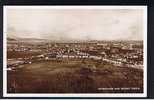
x,y
5,94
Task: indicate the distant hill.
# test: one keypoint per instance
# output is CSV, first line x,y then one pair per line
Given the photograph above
x,y
37,40
26,40
32,40
11,39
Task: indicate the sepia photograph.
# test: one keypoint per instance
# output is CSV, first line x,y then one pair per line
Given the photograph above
x,y
79,51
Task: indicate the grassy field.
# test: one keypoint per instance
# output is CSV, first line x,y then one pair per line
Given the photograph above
x,y
73,77
17,54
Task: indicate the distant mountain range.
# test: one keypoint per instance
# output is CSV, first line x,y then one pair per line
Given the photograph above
x,y
36,40
26,39
11,39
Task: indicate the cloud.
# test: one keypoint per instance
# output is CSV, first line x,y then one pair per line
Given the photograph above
x,y
76,24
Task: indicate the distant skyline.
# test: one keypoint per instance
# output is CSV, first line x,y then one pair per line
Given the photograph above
x,y
76,24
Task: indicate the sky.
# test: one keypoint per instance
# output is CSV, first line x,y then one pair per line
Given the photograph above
x,y
76,24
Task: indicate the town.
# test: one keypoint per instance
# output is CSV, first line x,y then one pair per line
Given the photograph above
x,y
118,53
74,67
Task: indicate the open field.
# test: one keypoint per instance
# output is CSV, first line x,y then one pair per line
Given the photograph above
x,y
17,54
73,77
